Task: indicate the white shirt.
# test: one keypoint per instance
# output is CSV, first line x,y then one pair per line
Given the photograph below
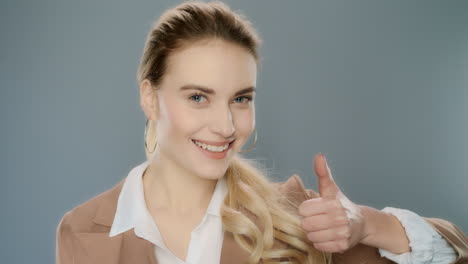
x,y
427,246
206,239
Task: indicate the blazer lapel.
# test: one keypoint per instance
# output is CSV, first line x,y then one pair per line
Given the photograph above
x,y
136,249
98,247
95,245
128,247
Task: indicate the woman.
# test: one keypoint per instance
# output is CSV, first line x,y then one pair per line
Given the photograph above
x,y
196,200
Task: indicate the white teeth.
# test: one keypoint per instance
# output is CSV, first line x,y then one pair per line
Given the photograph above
x,y
212,148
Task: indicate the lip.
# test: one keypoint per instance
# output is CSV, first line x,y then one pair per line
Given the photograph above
x,y
214,155
213,143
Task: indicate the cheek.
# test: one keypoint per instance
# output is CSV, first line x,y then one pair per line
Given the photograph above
x,y
180,120
245,122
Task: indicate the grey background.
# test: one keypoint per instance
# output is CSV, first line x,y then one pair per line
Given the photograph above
x,y
380,87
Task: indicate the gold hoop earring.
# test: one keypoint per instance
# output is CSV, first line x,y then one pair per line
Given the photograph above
x,y
253,145
146,146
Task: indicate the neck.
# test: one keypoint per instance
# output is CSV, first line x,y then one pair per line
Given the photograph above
x,y
174,190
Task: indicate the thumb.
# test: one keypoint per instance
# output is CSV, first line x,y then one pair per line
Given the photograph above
x,y
326,184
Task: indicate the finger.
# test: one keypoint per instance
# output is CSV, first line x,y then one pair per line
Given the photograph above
x,y
327,186
337,233
323,221
333,246
314,206
318,206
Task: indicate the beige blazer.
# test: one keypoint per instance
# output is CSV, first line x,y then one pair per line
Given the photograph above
x,y
83,235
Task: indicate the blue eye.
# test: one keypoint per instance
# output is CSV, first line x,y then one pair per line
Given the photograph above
x,y
196,96
249,98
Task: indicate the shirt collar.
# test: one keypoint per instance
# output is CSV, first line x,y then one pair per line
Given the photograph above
x,y
220,191
131,203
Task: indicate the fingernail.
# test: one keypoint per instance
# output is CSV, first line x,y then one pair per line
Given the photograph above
x,y
326,162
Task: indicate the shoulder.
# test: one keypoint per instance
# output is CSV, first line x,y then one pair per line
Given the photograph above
x,y
293,188
89,217
80,218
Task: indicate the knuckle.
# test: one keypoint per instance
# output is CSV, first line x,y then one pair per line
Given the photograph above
x,y
313,224
325,247
347,233
344,213
346,221
334,205
343,245
305,207
341,220
311,236
317,246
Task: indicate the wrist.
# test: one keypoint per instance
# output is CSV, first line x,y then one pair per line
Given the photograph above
x,y
369,227
383,230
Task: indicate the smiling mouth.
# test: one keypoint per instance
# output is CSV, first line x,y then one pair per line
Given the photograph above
x,y
210,148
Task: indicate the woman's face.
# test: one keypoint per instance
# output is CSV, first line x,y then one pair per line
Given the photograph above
x,y
223,112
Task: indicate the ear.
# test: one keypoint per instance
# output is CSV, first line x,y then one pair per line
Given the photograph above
x,y
148,100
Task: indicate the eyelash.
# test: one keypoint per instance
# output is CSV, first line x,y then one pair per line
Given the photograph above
x,y
248,97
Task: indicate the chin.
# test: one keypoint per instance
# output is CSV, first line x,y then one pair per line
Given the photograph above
x,y
213,174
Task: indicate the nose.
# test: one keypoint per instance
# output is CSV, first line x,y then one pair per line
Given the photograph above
x,y
223,123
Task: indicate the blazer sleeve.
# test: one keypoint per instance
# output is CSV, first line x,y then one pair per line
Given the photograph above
x,y
366,254
64,242
454,236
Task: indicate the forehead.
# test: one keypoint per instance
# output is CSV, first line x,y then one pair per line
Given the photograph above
x,y
216,64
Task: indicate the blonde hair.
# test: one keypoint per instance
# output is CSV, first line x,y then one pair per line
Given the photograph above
x,y
262,220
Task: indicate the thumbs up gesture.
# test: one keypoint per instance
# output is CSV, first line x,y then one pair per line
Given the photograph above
x,y
332,222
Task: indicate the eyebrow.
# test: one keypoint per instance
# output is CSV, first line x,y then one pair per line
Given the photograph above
x,y
211,91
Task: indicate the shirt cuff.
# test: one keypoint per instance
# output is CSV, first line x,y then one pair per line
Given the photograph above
x,y
427,246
